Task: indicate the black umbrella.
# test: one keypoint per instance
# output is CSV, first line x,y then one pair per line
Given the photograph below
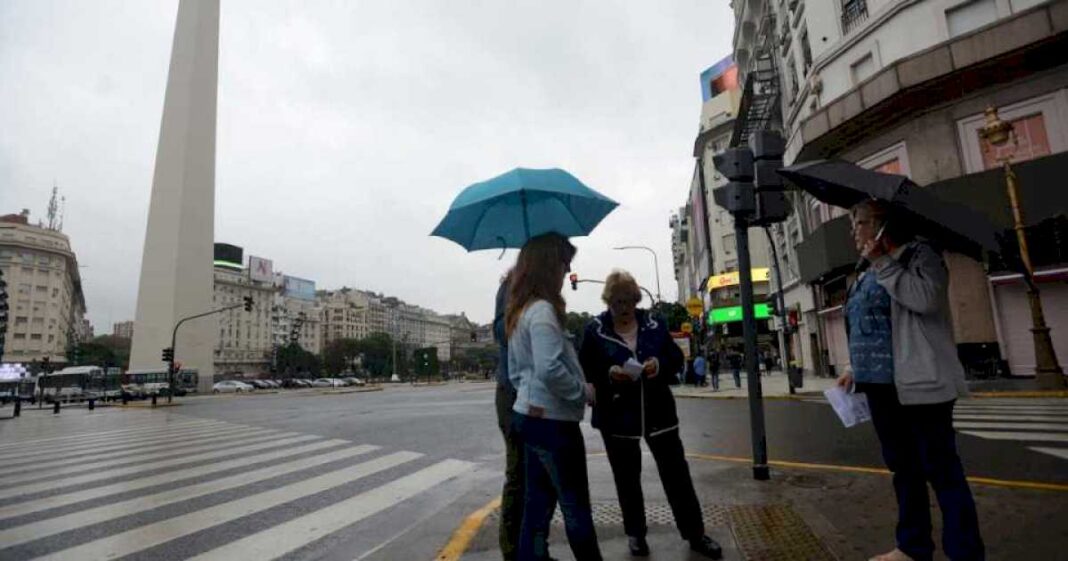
x,y
950,226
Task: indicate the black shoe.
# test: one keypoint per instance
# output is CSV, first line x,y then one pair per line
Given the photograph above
x,y
707,546
638,547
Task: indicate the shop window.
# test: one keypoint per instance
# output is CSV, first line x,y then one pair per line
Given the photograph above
x,y
1032,141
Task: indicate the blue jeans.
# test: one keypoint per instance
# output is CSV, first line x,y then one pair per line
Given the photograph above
x,y
555,456
919,447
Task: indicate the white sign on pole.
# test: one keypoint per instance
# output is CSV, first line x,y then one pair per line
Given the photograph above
x,y
260,269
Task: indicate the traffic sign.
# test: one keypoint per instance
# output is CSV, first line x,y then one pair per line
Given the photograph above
x,y
687,327
694,306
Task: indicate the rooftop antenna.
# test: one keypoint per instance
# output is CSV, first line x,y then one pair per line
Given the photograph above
x,y
53,208
62,211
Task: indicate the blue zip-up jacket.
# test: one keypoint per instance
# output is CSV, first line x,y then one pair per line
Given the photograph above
x,y
544,368
631,409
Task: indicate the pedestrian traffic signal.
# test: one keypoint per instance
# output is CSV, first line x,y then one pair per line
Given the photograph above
x,y
248,303
168,354
573,277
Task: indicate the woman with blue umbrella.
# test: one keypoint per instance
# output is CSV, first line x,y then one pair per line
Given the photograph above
x,y
508,211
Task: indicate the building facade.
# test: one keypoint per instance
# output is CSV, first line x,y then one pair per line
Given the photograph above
x,y
901,86
123,329
47,306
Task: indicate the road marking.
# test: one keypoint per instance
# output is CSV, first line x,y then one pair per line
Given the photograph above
x,y
977,417
1025,426
461,538
1032,436
97,449
88,438
279,540
1061,453
151,535
1010,483
56,501
159,452
88,478
1013,408
36,530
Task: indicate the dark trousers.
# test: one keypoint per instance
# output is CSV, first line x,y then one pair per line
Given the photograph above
x,y
555,462
512,495
737,372
625,457
919,447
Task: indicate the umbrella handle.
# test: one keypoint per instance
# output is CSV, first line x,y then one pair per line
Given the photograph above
x,y
504,247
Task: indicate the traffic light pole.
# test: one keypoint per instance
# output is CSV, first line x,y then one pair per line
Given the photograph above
x,y
749,328
781,298
174,339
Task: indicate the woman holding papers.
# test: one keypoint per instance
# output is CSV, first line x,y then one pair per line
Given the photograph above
x,y
629,357
905,361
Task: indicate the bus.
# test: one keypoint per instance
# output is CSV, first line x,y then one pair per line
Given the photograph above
x,y
78,383
186,381
140,384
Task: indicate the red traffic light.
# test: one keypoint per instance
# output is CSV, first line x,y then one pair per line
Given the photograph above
x,y
573,277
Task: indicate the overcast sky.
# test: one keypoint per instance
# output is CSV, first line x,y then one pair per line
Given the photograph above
x,y
345,129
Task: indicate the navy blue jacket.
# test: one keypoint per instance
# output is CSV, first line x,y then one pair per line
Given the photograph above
x,y
631,409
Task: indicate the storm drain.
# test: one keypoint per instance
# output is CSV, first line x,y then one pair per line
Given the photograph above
x,y
775,533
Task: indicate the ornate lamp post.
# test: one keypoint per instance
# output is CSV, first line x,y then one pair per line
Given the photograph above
x,y
1048,372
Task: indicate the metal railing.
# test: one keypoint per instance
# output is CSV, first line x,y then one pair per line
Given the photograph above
x,y
854,12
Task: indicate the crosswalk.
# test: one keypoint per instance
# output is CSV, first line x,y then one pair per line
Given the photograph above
x,y
162,485
1039,424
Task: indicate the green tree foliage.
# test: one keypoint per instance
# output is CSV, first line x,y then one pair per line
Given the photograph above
x,y
293,360
674,313
339,355
105,351
576,325
426,362
377,352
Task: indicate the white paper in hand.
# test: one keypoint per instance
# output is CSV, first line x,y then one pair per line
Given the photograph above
x,y
633,368
852,408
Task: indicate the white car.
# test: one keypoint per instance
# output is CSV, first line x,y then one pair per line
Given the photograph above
x,y
328,383
231,386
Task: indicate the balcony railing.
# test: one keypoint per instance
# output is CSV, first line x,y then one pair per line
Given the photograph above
x,y
854,12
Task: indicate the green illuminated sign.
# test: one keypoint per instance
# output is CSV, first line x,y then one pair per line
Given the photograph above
x,y
734,313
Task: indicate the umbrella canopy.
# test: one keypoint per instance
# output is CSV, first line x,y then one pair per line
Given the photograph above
x,y
952,226
511,208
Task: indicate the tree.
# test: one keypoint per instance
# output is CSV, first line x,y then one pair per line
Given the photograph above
x,y
339,354
576,325
292,359
426,362
674,313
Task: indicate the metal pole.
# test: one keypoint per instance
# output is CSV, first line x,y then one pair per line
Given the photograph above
x,y
784,346
1048,371
656,265
708,250
756,405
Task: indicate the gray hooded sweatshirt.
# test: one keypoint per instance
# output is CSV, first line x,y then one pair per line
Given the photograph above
x,y
926,366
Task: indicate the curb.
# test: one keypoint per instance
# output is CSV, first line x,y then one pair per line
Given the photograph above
x,y
360,390
795,397
1036,394
147,405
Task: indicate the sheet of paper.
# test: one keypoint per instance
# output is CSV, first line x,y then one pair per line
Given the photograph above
x,y
852,408
633,368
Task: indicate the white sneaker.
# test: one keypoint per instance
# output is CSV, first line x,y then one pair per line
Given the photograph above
x,y
895,555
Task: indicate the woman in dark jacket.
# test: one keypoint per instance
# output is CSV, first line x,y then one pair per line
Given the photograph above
x,y
629,408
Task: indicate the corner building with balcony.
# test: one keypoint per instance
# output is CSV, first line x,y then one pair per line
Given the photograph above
x,y
901,86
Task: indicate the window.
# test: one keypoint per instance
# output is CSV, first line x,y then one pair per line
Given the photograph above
x,y
20,336
862,69
729,244
806,52
791,72
35,336
970,16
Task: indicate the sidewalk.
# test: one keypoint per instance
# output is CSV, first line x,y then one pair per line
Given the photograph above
x,y
773,386
799,514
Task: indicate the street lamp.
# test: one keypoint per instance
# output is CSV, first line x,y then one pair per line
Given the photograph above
x,y
1048,372
656,265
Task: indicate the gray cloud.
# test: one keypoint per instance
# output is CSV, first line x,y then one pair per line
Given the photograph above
x,y
346,128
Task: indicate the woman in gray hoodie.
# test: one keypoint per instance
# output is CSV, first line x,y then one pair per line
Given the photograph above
x,y
904,359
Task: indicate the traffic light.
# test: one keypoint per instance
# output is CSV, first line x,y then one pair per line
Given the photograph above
x,y
168,354
76,354
738,196
771,203
248,303
474,336
573,277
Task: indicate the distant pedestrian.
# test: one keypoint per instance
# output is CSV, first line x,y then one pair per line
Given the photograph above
x,y
904,359
735,359
635,406
699,370
713,371
551,399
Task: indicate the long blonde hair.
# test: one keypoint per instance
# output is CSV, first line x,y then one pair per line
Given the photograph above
x,y
537,275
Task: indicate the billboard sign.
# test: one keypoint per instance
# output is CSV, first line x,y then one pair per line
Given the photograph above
x,y
303,289
732,279
719,78
732,314
227,255
260,269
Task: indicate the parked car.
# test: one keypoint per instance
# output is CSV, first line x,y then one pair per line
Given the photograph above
x,y
328,383
354,381
259,384
231,386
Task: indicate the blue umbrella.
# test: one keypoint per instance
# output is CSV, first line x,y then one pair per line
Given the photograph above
x,y
511,208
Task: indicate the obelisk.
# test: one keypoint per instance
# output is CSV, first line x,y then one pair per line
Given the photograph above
x,y
176,268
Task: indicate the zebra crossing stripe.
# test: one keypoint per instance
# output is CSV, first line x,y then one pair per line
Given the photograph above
x,y
36,530
276,441
282,539
1061,453
98,436
970,417
66,468
1003,425
144,537
1032,436
110,448
75,497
